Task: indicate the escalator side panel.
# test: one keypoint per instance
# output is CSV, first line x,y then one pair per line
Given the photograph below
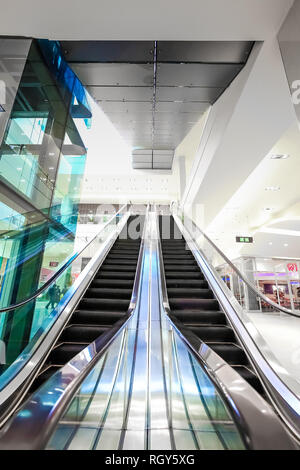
x,y
105,302
194,306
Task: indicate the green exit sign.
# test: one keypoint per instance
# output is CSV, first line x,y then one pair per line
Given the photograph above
x,y
244,239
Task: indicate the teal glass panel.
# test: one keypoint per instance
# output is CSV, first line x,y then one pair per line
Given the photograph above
x,y
23,329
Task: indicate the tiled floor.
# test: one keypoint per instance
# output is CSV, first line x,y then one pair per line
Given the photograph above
x,y
282,334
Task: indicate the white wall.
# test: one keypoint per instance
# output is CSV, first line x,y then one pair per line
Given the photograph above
x,y
243,125
109,176
141,20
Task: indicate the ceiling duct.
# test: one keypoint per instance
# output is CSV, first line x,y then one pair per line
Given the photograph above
x,y
152,159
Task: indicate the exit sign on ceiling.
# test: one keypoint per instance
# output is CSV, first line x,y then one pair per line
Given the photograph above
x,y
244,239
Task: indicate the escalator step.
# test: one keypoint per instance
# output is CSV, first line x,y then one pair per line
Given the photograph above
x,y
82,333
216,333
100,317
231,353
190,293
122,256
126,246
180,262
104,292
179,268
120,283
200,283
115,275
194,317
191,304
104,304
119,251
42,377
178,256
117,267
64,352
251,378
185,275
121,261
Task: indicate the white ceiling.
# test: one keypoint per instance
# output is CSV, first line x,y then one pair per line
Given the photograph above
x,y
155,91
138,20
276,231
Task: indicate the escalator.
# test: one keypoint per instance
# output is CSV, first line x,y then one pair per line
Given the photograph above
x,y
121,394
194,308
105,302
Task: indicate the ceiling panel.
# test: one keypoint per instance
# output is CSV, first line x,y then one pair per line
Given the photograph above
x,y
204,51
181,107
140,166
115,74
118,93
188,78
179,118
129,107
205,75
133,117
108,51
206,94
163,166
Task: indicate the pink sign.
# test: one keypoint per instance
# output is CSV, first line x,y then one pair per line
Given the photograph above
x,y
292,267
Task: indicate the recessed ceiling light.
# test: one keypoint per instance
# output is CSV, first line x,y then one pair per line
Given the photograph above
x,y
270,243
286,244
272,188
279,156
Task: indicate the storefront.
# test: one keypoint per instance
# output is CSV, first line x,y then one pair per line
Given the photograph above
x,y
278,279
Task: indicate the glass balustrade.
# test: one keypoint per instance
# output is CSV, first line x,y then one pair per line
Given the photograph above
x,y
24,328
262,313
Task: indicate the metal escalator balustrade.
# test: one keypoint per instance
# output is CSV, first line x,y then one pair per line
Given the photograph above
x,y
193,303
105,302
265,373
147,390
28,331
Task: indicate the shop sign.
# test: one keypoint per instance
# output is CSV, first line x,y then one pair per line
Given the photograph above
x,y
292,267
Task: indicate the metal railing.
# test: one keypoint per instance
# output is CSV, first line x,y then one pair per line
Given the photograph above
x,y
281,388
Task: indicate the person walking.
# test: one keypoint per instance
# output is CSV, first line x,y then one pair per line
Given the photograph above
x,y
53,294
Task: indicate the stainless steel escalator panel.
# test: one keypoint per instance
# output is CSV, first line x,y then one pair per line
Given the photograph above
x,y
281,388
147,392
16,378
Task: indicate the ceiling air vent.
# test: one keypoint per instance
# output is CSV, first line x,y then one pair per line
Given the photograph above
x,y
152,159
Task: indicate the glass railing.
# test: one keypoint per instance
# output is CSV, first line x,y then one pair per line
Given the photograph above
x,y
147,391
30,255
24,328
95,417
271,345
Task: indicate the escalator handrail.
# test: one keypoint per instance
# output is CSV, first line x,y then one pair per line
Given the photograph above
x,y
237,271
248,408
60,270
31,431
281,388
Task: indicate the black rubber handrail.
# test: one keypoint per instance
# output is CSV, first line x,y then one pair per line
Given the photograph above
x,y
34,431
238,272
